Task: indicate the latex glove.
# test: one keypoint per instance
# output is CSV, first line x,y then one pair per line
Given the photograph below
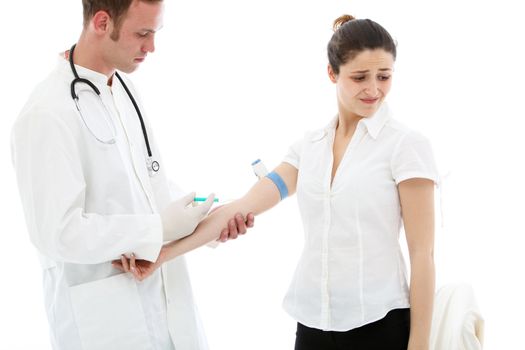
x,y
180,218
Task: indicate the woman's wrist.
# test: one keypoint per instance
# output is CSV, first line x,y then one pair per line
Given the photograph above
x,y
167,252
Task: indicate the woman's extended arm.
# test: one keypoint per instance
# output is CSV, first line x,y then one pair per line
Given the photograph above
x,y
261,197
417,205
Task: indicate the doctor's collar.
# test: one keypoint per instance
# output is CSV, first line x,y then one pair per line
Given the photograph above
x,y
94,76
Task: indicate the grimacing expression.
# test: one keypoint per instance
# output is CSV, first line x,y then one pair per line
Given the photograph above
x,y
363,82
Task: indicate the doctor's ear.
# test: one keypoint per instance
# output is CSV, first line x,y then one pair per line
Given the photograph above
x,y
101,22
331,74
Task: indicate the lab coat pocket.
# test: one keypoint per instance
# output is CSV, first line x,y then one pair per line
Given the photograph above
x,y
109,314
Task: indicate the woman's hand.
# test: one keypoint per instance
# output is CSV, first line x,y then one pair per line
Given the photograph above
x,y
236,226
140,268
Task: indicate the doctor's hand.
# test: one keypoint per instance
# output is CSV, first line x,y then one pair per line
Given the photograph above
x,y
180,218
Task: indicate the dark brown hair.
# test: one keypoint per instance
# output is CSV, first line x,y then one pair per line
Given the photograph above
x,y
115,8
352,36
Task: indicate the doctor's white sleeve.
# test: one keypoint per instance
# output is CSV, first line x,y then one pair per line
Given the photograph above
x,y
53,191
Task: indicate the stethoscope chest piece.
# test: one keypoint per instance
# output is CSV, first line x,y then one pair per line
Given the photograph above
x,y
153,166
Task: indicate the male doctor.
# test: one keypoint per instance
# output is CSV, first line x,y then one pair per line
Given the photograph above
x,y
94,190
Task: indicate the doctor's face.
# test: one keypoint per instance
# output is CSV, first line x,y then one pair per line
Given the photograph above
x,y
363,82
129,45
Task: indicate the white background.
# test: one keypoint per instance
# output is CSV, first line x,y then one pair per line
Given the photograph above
x,y
233,81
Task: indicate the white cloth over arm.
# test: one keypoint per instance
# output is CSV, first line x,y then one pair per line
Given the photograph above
x,y
457,323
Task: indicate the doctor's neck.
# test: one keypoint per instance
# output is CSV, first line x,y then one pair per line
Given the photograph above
x,y
90,54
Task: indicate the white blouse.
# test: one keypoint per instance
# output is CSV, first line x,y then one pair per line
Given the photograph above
x,y
352,271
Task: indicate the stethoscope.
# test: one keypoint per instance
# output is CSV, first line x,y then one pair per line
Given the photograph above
x,y
153,165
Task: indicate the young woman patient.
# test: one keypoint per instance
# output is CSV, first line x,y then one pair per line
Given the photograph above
x,y
358,180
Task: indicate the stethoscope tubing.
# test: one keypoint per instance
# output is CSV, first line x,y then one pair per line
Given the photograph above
x,y
144,132
155,164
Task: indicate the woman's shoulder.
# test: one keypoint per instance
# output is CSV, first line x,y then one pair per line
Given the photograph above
x,y
401,131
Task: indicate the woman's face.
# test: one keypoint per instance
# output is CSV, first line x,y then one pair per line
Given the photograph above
x,y
363,82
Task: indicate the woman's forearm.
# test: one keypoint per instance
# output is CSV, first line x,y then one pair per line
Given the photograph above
x,y
422,282
261,197
417,205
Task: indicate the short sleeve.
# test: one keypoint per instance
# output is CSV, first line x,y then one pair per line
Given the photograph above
x,y
293,157
413,158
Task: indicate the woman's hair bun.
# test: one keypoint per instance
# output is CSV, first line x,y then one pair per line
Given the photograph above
x,y
342,20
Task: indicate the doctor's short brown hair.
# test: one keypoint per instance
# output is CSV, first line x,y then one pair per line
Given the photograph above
x,y
115,8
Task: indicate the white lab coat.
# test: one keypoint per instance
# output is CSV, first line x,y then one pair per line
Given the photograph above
x,y
85,204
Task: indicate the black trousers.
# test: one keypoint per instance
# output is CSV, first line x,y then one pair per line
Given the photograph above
x,y
389,333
